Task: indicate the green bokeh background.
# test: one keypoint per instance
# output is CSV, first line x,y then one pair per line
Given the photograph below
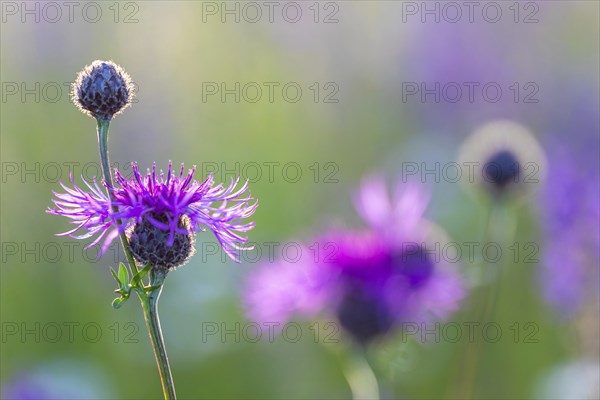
x,y
170,51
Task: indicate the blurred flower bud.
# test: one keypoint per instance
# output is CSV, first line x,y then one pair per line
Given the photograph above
x,y
504,159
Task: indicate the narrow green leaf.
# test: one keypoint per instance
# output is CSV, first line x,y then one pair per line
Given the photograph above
x,y
118,302
149,289
123,292
114,274
123,275
140,275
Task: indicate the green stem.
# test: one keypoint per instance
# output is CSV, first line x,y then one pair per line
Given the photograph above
x,y
473,349
360,376
498,229
149,300
103,125
150,306
493,272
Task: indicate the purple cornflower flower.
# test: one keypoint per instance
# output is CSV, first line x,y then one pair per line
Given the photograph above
x,y
370,281
570,202
159,214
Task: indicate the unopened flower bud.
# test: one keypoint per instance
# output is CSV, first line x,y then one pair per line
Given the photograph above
x,y
102,90
508,160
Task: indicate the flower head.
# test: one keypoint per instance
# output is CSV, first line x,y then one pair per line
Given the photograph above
x,y
506,159
159,213
370,280
102,90
570,211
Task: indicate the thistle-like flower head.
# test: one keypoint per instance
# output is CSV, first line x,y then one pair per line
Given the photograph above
x,y
506,158
371,281
159,212
102,90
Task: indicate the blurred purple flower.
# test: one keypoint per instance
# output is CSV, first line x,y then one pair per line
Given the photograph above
x,y
571,210
59,379
372,281
175,204
25,389
453,70
543,83
570,204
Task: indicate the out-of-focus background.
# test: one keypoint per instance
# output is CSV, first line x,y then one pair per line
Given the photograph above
x,y
304,99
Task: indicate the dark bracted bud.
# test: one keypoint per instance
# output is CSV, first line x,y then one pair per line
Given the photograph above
x,y
148,243
498,154
501,169
364,315
102,90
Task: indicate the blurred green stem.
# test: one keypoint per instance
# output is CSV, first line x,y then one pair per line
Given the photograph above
x,y
500,231
150,306
502,227
360,376
103,125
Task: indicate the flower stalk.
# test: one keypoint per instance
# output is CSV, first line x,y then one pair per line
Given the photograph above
x,y
500,227
360,376
149,302
103,125
148,298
